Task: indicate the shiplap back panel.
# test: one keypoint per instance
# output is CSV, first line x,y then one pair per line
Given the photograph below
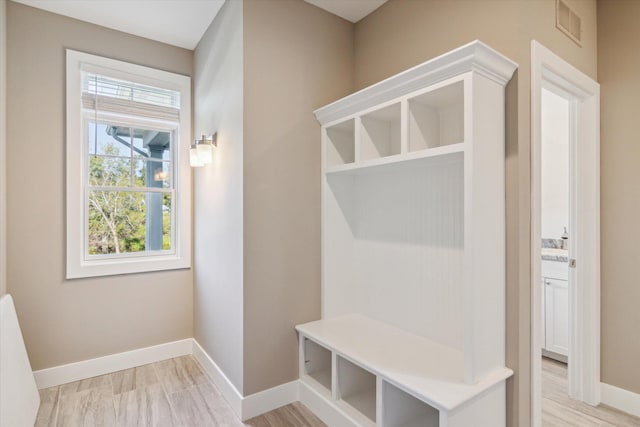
x,y
406,250
338,291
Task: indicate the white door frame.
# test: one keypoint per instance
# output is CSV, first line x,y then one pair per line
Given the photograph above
x,y
550,71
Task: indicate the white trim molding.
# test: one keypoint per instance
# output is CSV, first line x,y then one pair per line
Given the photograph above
x,y
621,399
475,56
76,371
246,407
551,72
79,262
213,371
270,399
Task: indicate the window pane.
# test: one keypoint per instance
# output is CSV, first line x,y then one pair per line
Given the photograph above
x,y
129,222
112,140
111,87
166,221
117,222
139,173
152,174
109,172
162,173
158,210
152,144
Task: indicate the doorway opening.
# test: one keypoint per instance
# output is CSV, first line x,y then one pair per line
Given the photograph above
x,y
565,231
557,112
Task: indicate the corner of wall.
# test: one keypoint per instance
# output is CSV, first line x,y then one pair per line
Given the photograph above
x,y
3,135
218,194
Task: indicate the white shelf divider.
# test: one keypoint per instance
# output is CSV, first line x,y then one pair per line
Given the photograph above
x,y
444,153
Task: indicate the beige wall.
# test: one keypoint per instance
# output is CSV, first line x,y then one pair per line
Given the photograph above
x,y
218,226
297,58
65,321
403,33
619,77
3,165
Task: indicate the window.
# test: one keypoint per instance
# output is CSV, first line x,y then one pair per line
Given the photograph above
x,y
128,176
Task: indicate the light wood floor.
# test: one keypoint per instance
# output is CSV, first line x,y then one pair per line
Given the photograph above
x,y
176,392
558,410
173,392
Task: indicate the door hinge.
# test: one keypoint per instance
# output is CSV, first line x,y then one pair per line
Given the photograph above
x,y
572,263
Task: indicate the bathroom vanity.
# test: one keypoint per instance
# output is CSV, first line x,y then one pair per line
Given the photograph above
x,y
555,303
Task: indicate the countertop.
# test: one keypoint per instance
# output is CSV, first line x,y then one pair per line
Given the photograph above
x,y
555,254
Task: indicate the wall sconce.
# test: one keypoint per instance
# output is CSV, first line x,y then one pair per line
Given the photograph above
x,y
201,152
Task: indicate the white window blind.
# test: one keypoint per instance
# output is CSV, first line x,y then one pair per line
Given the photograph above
x,y
124,97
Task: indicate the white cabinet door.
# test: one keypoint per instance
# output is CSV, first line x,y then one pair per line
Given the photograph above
x,y
556,322
543,281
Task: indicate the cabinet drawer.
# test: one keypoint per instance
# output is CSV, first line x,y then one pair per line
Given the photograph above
x,y
555,270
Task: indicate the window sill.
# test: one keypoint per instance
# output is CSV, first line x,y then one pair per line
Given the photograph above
x,y
117,266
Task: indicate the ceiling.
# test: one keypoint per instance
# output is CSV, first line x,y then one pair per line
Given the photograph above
x,y
176,22
351,10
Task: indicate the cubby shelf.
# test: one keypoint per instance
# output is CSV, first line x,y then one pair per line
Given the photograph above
x,y
426,369
317,365
436,117
400,409
340,145
357,388
381,133
438,154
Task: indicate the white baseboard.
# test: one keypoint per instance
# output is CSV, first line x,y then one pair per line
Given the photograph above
x,y
619,398
249,406
225,386
268,400
107,364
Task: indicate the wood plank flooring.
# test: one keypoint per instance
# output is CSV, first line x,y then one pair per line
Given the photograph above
x,y
176,392
558,410
173,392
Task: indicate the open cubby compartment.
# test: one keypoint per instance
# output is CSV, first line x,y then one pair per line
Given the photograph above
x,y
340,143
381,134
317,363
357,388
400,409
436,117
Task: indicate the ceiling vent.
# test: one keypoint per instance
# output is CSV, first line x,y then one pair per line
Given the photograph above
x,y
568,22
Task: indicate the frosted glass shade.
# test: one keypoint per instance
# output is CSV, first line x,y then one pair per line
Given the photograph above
x,y
205,153
194,158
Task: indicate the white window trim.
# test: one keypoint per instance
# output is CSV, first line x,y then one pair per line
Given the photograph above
x,y
78,265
